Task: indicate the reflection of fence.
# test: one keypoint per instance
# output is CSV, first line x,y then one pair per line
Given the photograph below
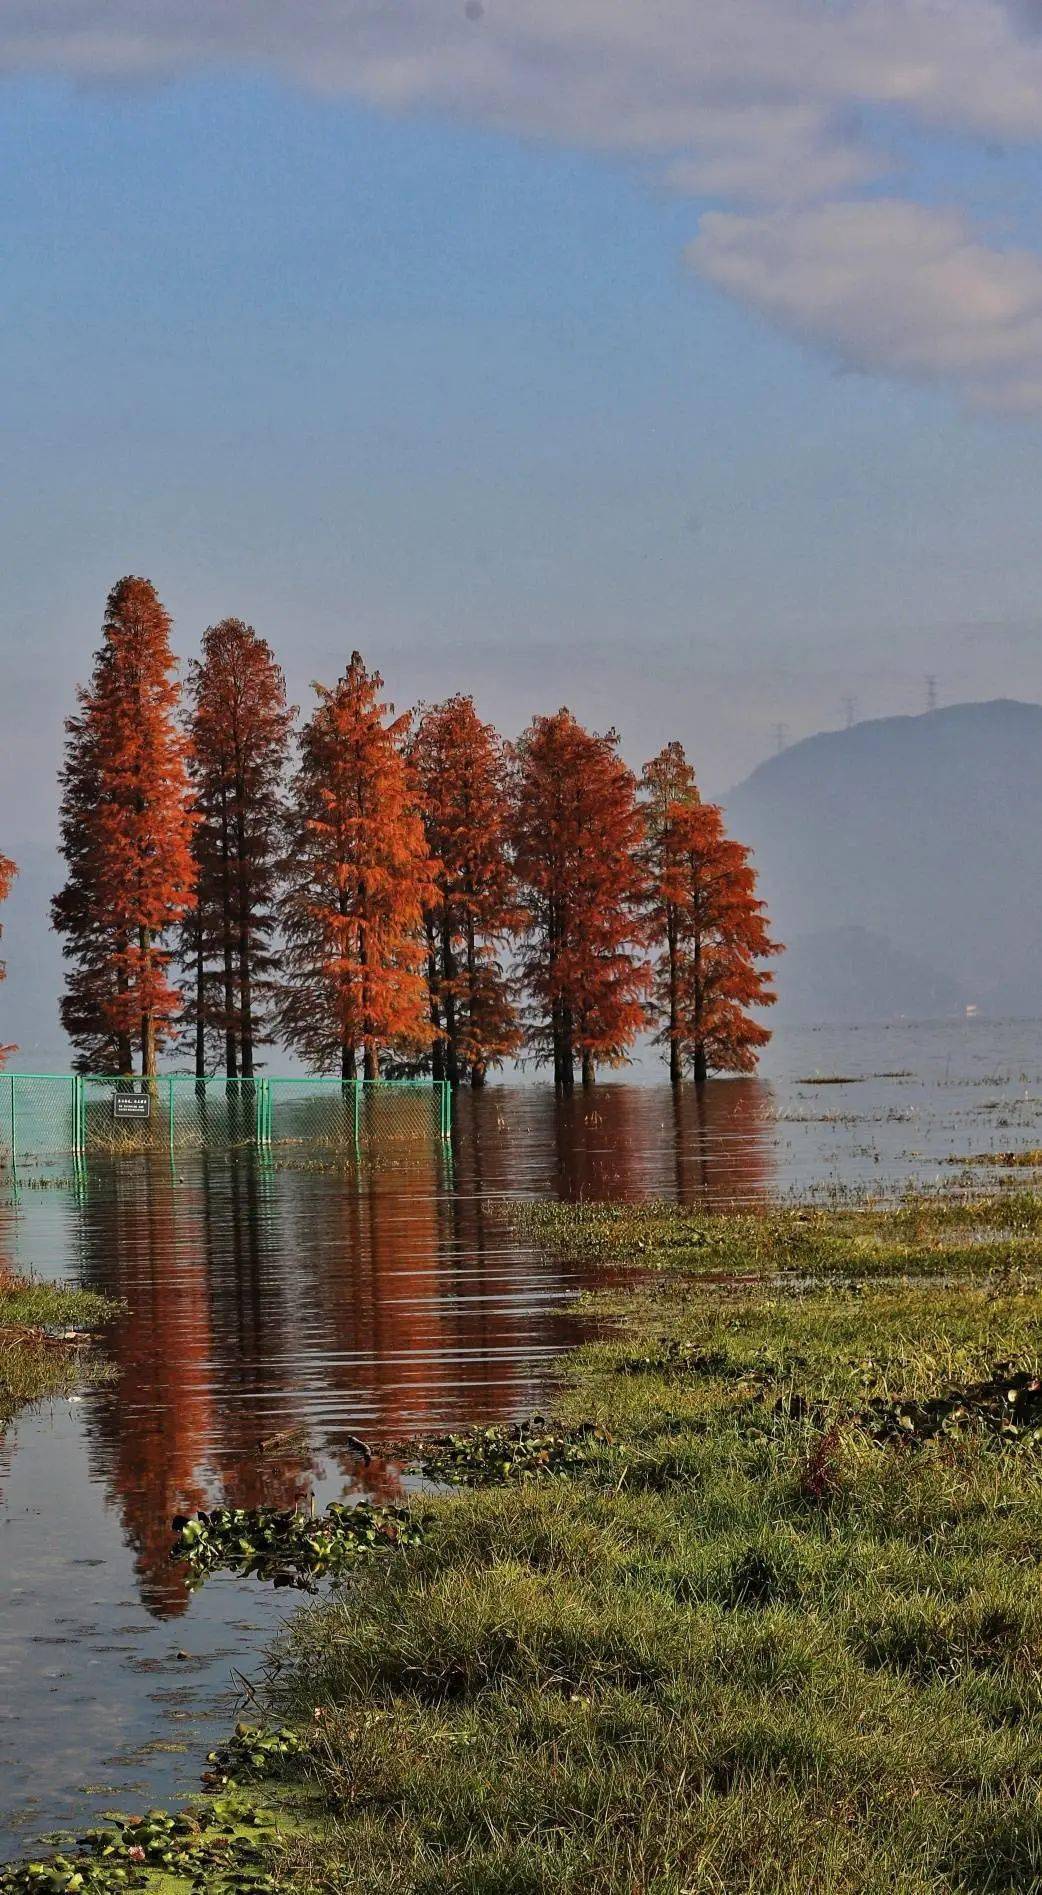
x,y
47,1115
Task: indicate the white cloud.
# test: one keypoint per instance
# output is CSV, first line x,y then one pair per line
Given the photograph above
x,y
769,105
889,286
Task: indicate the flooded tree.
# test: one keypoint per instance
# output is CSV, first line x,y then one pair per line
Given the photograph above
x,y
126,831
360,877
666,782
709,928
577,835
462,780
240,729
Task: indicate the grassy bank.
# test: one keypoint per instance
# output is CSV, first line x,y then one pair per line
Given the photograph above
x,y
757,1609
44,1340
781,1630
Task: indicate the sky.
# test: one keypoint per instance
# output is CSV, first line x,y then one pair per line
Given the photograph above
x,y
675,361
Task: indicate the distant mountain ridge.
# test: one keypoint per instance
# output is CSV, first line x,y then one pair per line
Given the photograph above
x,y
902,863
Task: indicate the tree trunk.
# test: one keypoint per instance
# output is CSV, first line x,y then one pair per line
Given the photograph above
x,y
675,1063
589,1069
372,1061
245,920
148,1023
437,1044
701,1065
348,1063
567,1050
200,998
448,962
231,1065
475,1037
124,1048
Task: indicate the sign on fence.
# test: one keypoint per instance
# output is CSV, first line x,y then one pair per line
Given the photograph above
x,y
131,1105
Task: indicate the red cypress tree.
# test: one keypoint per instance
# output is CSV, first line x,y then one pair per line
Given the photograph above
x,y
667,782
8,872
359,879
462,777
240,729
714,933
577,837
126,829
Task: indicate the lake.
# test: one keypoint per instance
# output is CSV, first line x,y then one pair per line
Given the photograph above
x,y
373,1302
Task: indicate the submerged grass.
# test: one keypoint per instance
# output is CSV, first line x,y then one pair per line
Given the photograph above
x,y
44,1340
743,1642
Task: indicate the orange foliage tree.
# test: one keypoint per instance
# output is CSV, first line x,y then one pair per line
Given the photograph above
x,y
8,872
240,729
709,927
360,877
667,781
126,829
462,780
577,835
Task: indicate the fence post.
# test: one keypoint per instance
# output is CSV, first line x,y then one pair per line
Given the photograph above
x,y
358,1111
170,1116
14,1126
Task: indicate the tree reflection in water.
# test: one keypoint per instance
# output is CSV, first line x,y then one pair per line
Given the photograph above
x,y
317,1304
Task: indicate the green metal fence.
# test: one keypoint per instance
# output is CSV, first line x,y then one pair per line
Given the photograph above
x,y
49,1115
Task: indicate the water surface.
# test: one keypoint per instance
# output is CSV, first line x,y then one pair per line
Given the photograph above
x,y
374,1302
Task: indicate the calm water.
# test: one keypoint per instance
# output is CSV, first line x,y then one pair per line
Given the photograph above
x,y
259,1301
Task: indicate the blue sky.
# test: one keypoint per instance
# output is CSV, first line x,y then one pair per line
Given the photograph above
x,y
697,390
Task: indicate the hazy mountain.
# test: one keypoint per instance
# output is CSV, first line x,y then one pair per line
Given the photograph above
x,y
902,862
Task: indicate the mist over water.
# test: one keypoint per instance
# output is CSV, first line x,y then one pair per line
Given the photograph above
x,y
375,1301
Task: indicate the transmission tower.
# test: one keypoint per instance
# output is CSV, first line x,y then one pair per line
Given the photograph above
x,y
781,738
850,711
931,692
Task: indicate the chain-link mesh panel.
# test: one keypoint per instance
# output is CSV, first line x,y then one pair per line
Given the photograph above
x,y
49,1115
317,1112
38,1116
119,1116
214,1114
370,1114
397,1112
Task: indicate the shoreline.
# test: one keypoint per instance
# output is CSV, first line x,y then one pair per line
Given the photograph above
x,y
756,1609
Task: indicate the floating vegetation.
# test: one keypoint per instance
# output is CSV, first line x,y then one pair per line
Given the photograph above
x,y
288,1548
527,1450
256,1753
224,1848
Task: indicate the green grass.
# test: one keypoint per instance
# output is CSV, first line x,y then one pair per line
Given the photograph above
x,y
36,1361
741,1645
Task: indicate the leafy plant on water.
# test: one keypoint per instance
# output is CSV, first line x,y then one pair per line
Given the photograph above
x,y
255,1753
525,1450
289,1548
224,1848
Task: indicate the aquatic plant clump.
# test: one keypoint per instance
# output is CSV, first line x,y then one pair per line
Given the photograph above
x,y
225,1848
288,1548
257,1753
526,1450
